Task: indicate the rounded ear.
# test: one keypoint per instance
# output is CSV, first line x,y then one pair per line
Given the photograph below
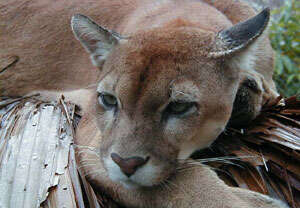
x,y
240,35
97,40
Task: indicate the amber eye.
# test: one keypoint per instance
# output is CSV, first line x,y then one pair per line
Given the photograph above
x,y
108,101
178,108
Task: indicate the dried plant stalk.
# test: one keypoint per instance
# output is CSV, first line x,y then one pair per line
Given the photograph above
x,y
37,167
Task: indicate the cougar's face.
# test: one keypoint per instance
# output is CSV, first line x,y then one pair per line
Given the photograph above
x,y
162,94
155,105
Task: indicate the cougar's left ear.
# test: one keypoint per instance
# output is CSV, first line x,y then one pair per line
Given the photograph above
x,y
97,40
231,40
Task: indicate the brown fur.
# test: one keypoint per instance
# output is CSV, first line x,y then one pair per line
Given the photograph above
x,y
165,56
193,186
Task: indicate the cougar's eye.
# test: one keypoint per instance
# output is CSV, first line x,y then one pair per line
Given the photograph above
x,y
179,108
108,101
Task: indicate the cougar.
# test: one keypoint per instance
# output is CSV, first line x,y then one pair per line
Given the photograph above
x,y
172,74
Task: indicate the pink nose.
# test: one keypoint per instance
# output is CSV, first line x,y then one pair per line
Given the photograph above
x,y
129,165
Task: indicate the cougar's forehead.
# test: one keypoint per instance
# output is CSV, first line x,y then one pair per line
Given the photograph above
x,y
131,85
154,65
151,85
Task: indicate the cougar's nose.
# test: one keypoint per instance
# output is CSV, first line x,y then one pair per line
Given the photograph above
x,y
128,165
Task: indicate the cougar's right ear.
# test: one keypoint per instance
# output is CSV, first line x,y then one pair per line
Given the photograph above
x,y
97,40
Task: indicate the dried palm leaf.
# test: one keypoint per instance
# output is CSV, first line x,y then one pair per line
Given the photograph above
x,y
37,162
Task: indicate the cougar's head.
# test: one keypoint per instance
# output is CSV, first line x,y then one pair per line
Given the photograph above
x,y
162,94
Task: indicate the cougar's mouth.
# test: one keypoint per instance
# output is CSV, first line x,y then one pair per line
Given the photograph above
x,y
146,176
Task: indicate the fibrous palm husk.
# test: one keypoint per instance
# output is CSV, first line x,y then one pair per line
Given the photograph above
x,y
38,166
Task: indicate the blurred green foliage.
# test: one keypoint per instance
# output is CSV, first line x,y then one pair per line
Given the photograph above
x,y
285,39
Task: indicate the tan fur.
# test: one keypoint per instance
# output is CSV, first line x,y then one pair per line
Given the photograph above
x,y
49,57
163,57
194,186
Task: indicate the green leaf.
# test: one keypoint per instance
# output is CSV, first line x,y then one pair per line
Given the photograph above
x,y
284,37
288,64
290,78
278,64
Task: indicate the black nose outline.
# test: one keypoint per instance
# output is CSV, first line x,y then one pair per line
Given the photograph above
x,y
129,165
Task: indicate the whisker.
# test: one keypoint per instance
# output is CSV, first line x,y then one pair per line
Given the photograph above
x,y
88,148
213,168
92,152
222,161
186,168
85,147
223,158
87,165
93,172
223,171
166,186
188,163
191,164
217,158
87,160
